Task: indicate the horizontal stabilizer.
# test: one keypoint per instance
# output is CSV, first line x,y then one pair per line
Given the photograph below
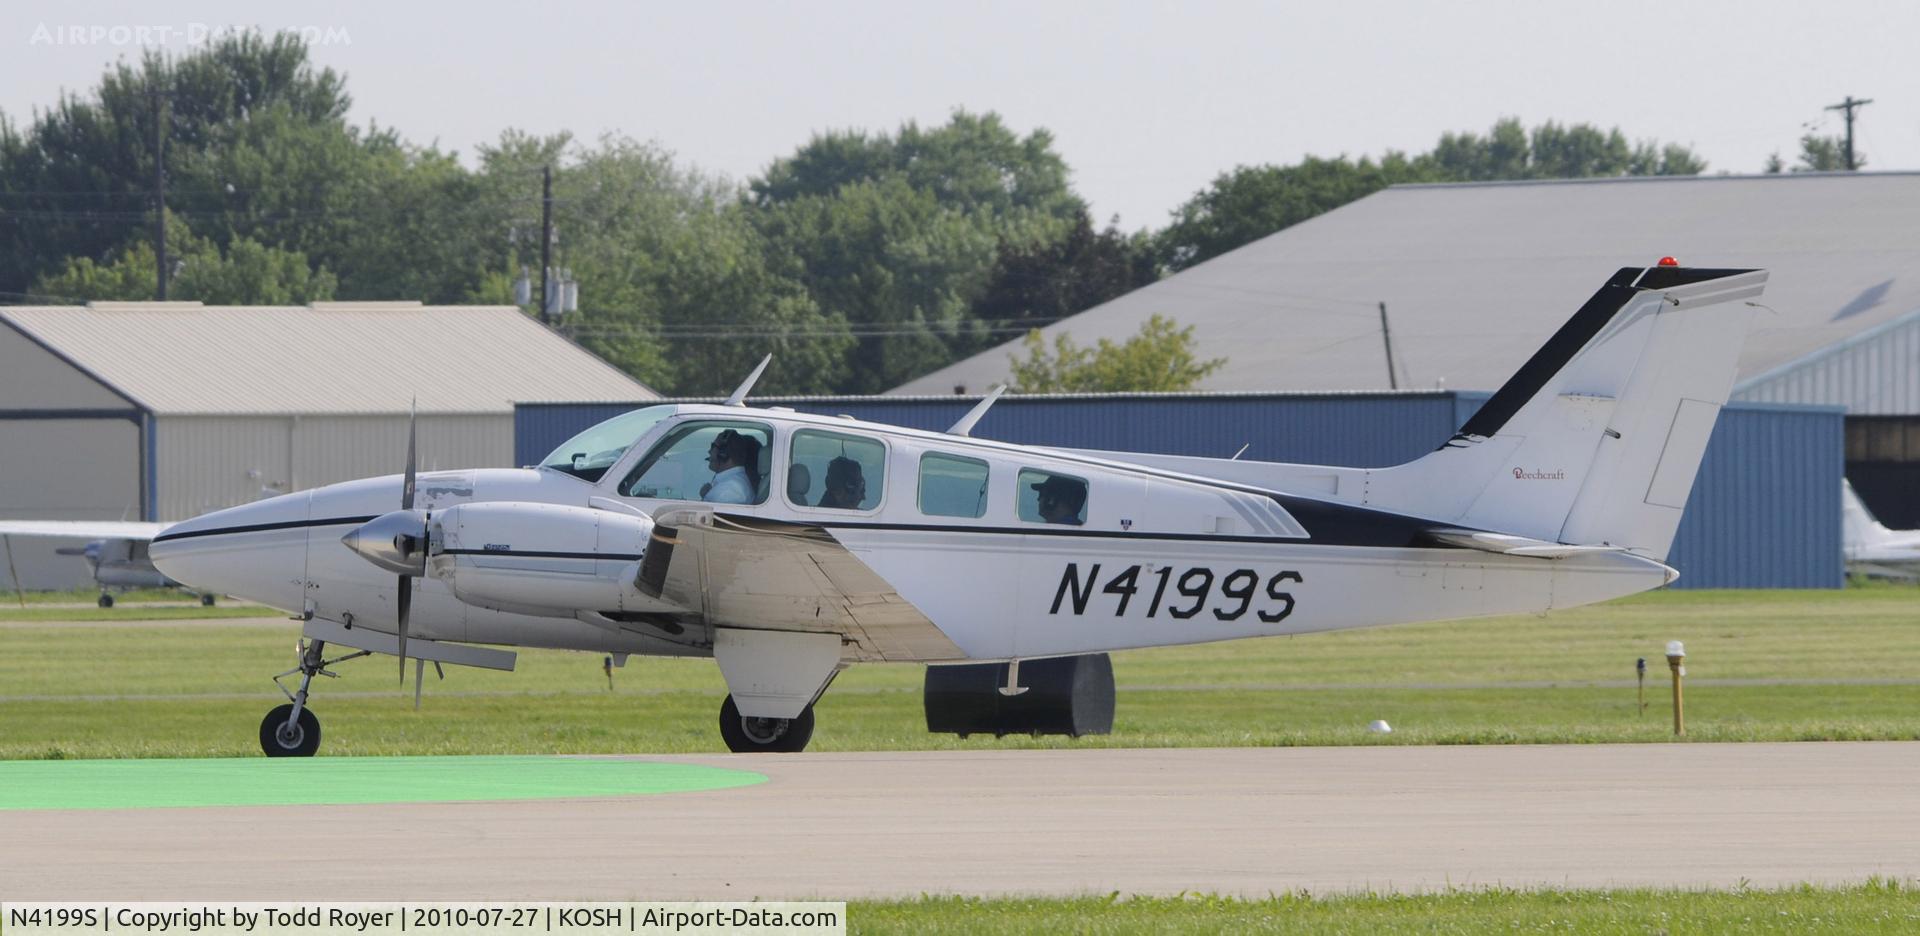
x,y
1507,544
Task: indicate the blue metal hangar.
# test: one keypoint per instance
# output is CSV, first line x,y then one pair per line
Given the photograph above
x,y
161,411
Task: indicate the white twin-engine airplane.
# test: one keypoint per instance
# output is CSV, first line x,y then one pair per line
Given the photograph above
x,y
825,541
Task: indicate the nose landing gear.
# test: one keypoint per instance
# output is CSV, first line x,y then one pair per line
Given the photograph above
x,y
292,730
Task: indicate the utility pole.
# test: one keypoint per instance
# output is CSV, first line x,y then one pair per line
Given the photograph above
x,y
159,193
546,242
1847,107
1392,380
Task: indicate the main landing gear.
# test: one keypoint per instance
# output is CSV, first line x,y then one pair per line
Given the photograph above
x,y
764,735
291,730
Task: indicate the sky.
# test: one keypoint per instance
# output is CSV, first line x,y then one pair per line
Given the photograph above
x,y
1147,102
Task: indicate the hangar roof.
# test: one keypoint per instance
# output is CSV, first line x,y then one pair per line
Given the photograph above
x,y
327,357
1477,276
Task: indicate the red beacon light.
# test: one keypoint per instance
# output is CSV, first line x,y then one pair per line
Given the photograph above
x,y
1669,261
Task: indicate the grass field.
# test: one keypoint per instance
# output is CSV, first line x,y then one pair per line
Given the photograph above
x,y
1763,665
1874,907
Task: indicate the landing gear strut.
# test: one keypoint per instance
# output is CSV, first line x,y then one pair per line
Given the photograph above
x,y
764,735
292,730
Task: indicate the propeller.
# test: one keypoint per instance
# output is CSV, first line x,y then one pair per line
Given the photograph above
x,y
397,542
406,504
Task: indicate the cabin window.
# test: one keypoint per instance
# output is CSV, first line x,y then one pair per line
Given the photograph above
x,y
1046,497
836,471
721,461
952,486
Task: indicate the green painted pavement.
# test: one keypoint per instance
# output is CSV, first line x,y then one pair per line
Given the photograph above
x,y
299,781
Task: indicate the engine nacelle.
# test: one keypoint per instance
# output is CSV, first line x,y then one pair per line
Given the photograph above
x,y
518,555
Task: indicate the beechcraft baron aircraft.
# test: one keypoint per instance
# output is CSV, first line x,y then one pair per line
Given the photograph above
x,y
853,542
1871,549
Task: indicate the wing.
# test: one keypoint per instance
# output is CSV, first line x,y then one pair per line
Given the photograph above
x,y
731,570
83,529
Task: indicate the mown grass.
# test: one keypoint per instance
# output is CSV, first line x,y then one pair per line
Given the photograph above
x,y
1762,666
1877,906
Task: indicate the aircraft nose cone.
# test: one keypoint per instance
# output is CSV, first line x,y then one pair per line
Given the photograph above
x,y
256,551
396,542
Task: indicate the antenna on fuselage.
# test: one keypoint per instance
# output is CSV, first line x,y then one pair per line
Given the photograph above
x,y
965,425
739,397
1243,451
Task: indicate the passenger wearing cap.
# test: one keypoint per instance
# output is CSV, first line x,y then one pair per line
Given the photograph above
x,y
1061,499
846,485
734,460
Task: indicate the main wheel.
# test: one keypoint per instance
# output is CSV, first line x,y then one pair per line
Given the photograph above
x,y
106,600
278,739
206,600
764,735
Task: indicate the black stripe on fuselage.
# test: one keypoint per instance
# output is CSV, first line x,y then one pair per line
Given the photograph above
x,y
539,554
262,527
1329,528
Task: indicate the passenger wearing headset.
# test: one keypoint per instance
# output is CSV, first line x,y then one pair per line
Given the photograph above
x,y
734,460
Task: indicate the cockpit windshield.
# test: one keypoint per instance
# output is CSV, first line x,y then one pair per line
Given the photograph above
x,y
589,454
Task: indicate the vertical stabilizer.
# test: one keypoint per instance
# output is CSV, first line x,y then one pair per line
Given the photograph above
x,y
1597,438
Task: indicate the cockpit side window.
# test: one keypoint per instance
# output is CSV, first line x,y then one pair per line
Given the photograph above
x,y
721,461
1046,497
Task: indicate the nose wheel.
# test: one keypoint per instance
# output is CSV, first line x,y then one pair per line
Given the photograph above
x,y
764,735
292,730
286,732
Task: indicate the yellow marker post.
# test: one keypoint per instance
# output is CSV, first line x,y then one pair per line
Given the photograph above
x,y
1677,662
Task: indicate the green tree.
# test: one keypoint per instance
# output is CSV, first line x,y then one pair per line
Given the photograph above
x,y
899,234
1825,154
677,286
1159,358
1040,283
1252,202
246,273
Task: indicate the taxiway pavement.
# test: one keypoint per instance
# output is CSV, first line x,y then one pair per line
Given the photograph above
x,y
1246,821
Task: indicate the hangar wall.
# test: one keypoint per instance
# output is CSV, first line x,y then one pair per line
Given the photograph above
x,y
70,449
209,462
1764,511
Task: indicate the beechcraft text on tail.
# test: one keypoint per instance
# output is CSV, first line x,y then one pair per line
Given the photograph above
x,y
788,547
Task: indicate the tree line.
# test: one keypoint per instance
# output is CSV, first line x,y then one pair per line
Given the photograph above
x,y
860,260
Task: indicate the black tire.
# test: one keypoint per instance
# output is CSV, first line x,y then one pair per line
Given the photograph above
x,y
301,742
106,600
764,735
206,600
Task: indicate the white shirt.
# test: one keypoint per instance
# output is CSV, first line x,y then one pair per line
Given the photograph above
x,y
730,487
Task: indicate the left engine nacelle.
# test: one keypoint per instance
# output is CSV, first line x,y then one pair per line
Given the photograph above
x,y
518,555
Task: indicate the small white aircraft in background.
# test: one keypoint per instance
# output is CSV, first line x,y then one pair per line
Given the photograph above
x,y
117,554
844,541
1871,548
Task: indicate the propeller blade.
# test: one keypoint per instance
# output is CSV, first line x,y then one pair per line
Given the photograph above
x,y
406,491
406,606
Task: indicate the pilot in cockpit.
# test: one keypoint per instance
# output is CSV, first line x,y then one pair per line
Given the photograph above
x,y
734,460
